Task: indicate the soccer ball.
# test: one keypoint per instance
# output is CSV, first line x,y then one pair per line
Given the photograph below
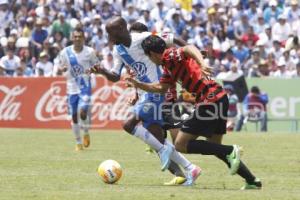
x,y
110,171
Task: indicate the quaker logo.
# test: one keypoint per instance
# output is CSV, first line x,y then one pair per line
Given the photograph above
x,y
139,69
76,70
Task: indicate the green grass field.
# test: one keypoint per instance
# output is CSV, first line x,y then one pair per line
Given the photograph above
x,y
42,164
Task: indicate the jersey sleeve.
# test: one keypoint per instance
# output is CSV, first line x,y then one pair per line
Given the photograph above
x,y
173,55
118,64
166,77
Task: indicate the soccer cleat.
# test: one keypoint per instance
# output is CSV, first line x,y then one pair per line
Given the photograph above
x,y
164,155
86,140
234,159
177,180
192,175
256,185
78,147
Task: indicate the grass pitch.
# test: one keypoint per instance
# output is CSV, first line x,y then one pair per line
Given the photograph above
x,y
42,164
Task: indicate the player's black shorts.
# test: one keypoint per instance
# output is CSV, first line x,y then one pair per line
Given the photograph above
x,y
208,119
171,116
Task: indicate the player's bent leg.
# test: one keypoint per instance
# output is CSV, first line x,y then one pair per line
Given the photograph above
x,y
192,171
157,132
85,125
251,181
76,132
182,141
215,138
233,160
142,133
130,123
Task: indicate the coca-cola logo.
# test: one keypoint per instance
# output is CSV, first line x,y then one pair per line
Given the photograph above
x,y
52,105
108,103
9,107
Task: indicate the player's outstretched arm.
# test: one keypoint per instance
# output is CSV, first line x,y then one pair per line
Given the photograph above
x,y
180,42
97,69
149,87
193,52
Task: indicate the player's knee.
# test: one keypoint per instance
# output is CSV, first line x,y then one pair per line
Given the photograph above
x,y
128,127
74,118
83,115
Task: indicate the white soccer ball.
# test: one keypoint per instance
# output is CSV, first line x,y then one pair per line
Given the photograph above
x,y
110,171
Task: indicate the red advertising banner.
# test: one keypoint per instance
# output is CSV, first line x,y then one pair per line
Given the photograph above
x,y
42,103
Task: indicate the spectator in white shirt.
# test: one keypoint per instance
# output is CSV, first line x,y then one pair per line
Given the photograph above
x,y
222,73
158,14
296,73
130,15
234,70
44,67
6,17
108,61
266,36
277,50
10,62
98,42
281,30
292,12
281,72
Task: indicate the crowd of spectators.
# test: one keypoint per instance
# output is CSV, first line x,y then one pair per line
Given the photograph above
x,y
253,38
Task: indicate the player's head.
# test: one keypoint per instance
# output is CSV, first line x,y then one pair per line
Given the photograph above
x,y
117,30
255,90
78,37
153,47
138,27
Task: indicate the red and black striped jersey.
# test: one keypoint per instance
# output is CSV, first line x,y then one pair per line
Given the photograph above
x,y
179,68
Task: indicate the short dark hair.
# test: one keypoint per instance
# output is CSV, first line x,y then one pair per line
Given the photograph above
x,y
138,27
153,43
255,90
79,29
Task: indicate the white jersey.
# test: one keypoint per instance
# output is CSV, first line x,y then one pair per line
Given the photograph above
x,y
134,57
77,64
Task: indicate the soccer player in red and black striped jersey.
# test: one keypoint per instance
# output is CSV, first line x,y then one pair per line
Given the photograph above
x,y
186,66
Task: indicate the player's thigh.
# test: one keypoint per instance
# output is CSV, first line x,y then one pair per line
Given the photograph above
x,y
182,140
84,103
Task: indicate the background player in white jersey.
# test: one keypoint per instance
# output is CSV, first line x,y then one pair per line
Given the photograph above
x,y
75,60
127,51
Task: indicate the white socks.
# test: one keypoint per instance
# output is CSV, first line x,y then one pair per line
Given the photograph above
x,y
148,138
142,133
179,158
85,124
76,132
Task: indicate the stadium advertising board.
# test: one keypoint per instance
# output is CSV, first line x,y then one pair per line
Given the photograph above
x,y
42,103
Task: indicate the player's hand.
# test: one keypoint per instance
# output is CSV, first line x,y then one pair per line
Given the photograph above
x,y
130,71
62,69
130,81
96,69
131,101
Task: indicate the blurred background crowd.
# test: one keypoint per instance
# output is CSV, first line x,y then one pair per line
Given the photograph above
x,y
249,37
